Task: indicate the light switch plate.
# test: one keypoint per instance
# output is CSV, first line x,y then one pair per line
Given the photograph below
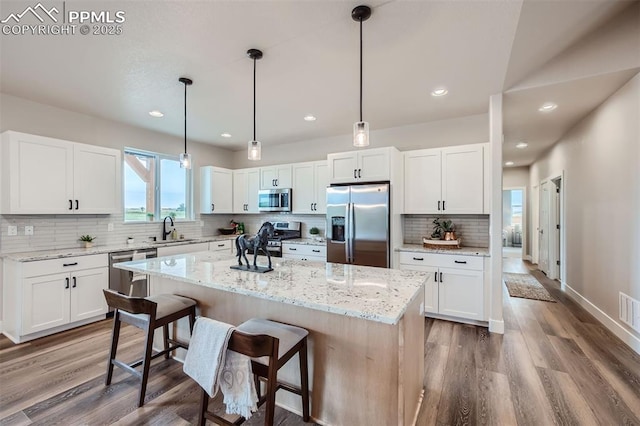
x,y
28,230
110,227
13,230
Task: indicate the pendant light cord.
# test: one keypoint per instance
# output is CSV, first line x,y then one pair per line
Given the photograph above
x,y
254,98
185,118
361,70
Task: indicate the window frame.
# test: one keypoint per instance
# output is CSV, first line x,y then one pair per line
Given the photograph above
x,y
158,157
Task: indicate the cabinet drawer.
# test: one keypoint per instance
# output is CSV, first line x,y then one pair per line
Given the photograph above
x,y
220,245
442,260
304,250
66,264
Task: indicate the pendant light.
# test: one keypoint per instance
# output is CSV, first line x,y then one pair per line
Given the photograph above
x,y
361,128
254,147
185,157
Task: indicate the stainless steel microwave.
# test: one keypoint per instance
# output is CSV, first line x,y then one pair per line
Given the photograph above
x,y
274,200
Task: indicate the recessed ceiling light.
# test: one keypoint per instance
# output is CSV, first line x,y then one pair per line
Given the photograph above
x,y
226,135
309,117
547,107
522,145
509,163
156,113
440,91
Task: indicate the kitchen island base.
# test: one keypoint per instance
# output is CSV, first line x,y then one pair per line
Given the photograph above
x,y
361,372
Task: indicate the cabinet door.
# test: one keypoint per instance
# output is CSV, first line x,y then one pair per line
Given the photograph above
x,y
373,165
240,194
96,180
45,302
431,290
321,181
461,293
40,175
215,190
226,245
462,179
304,194
253,186
87,299
422,181
268,177
343,167
284,178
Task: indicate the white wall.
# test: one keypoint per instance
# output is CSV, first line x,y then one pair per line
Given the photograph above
x,y
600,158
458,131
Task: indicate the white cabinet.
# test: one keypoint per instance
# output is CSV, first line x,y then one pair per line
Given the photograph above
x,y
226,245
246,184
51,176
216,190
444,181
361,166
276,177
310,182
170,250
48,296
455,283
304,252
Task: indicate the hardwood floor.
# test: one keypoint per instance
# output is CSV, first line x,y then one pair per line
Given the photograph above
x,y
555,364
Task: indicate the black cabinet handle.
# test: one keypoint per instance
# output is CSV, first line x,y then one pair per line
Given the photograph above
x,y
66,282
315,206
418,258
277,183
438,204
213,207
359,173
441,277
70,204
316,251
443,206
293,248
77,205
354,173
460,261
74,282
70,264
435,276
220,245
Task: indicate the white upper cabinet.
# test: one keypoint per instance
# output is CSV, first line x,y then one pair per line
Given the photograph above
x,y
276,177
216,190
360,166
310,182
444,181
43,175
246,184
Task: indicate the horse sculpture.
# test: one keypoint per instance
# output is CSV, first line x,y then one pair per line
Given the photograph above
x,y
256,242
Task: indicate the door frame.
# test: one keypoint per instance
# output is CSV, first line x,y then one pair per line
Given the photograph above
x,y
556,240
546,226
524,216
535,222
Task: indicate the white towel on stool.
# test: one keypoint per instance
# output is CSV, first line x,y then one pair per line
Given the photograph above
x,y
205,358
236,383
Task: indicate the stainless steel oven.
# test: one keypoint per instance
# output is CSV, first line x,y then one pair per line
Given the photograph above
x,y
274,200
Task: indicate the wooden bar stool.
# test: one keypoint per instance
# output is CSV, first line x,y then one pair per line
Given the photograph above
x,y
270,345
148,314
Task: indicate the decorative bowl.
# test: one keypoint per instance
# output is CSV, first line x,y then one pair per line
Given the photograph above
x,y
226,231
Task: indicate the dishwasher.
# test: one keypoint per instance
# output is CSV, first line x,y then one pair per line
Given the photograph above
x,y
127,282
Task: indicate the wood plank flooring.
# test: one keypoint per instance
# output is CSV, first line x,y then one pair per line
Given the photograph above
x,y
555,364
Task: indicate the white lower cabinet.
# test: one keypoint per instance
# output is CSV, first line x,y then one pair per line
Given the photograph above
x,y
226,245
455,284
45,297
304,252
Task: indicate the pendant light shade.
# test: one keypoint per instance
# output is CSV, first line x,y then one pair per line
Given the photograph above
x,y
254,147
361,128
185,157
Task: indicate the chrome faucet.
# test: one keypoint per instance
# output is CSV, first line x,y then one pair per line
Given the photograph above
x,y
164,227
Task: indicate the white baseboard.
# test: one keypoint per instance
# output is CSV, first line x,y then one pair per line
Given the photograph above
x,y
625,335
496,326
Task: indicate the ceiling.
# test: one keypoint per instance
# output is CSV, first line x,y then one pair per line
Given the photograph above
x,y
310,66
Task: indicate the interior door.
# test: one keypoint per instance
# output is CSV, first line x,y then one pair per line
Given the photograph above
x,y
544,228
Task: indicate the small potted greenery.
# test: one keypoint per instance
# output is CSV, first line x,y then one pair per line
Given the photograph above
x,y
87,240
150,217
315,233
443,230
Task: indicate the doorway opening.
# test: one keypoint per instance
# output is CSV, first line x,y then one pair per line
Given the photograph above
x,y
513,200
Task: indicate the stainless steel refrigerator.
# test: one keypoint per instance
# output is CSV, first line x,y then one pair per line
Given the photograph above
x,y
358,224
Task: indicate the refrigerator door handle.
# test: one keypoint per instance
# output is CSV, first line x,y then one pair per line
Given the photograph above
x,y
352,232
347,234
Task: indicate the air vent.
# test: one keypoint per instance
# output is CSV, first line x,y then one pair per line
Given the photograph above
x,y
630,311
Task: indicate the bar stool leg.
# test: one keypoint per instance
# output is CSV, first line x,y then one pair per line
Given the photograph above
x,y
304,380
192,319
146,362
272,387
114,346
204,403
165,335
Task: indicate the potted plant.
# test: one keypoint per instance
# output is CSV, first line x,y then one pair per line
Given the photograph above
x,y
150,217
315,232
443,230
87,240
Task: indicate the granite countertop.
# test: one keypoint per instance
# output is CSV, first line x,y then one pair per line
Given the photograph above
x,y
375,294
467,251
31,256
306,241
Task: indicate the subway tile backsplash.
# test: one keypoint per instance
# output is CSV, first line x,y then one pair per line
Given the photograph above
x,y
472,229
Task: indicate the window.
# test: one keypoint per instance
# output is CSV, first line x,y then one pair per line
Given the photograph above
x,y
155,187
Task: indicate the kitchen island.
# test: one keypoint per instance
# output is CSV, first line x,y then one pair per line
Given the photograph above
x,y
366,328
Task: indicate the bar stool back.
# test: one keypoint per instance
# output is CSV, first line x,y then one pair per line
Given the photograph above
x,y
147,314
